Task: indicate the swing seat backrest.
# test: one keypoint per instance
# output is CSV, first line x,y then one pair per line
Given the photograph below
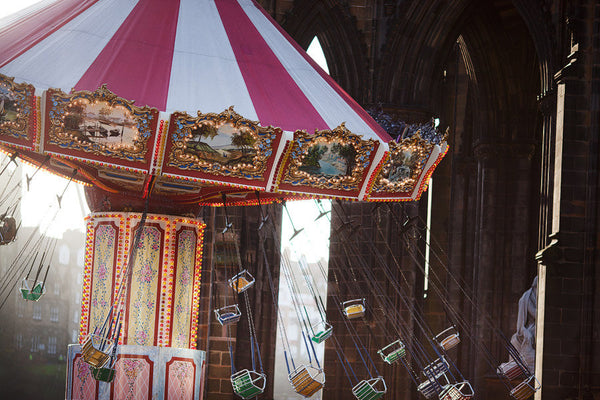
x,y
242,281
248,384
525,389
370,389
103,374
304,383
436,369
354,308
448,338
431,387
511,370
228,314
323,333
393,352
95,350
457,391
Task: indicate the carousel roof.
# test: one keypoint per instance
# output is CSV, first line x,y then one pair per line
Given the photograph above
x,y
187,99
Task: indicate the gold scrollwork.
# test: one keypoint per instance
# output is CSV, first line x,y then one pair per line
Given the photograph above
x,y
328,159
100,123
403,166
224,144
16,106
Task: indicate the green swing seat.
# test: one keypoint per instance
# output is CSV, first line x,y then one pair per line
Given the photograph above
x,y
322,332
103,374
305,380
370,389
393,352
248,384
32,294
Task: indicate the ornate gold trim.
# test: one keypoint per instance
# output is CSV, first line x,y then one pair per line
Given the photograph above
x,y
304,167
189,152
403,166
66,116
21,108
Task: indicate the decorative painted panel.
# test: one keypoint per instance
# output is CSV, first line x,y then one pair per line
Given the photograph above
x,y
105,255
180,378
159,305
183,288
143,294
133,378
141,372
83,385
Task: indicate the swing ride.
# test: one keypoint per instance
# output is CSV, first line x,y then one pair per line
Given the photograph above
x,y
309,139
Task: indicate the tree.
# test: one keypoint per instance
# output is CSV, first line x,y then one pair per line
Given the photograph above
x,y
313,156
348,153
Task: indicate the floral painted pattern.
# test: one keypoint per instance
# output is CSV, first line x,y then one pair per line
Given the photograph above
x,y
186,255
104,252
144,287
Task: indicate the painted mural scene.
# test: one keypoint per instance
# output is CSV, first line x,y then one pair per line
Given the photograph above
x,y
420,224
224,144
101,124
329,159
8,105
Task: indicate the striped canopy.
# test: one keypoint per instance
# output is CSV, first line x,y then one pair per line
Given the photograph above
x,y
189,62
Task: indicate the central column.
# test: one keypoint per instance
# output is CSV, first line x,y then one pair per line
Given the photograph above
x,y
158,301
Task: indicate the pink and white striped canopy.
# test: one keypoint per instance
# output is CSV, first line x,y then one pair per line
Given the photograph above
x,y
179,55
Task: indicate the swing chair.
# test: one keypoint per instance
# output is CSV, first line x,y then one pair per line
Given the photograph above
x,y
103,374
32,290
321,332
525,389
435,373
241,281
228,314
370,389
393,352
248,384
433,385
96,350
457,391
354,308
307,380
448,338
8,229
511,370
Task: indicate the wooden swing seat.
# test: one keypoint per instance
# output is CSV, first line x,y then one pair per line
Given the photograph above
x,y
103,374
242,281
95,350
8,230
393,352
32,294
248,384
228,314
436,378
457,391
525,389
324,332
511,370
370,389
305,383
354,308
448,338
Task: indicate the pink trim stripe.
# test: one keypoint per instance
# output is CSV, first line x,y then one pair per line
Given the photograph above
x,y
276,97
17,38
341,92
136,62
